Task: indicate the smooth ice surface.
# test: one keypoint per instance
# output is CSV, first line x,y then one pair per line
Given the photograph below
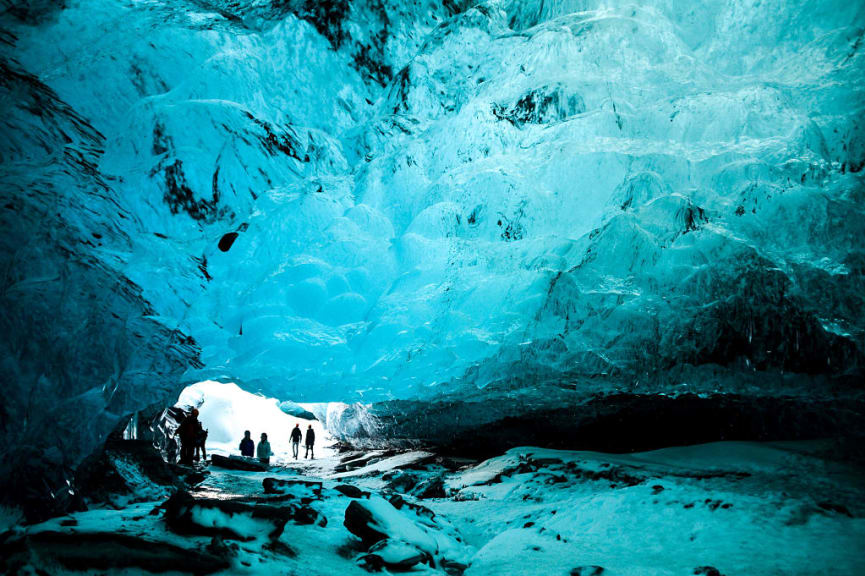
x,y
382,199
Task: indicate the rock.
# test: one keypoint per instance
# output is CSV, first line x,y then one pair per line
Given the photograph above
x,y
358,460
587,571
376,519
219,547
431,488
394,555
234,519
835,507
281,548
227,240
305,515
97,551
406,482
546,462
453,567
303,490
126,470
401,481
360,521
399,503
351,491
196,478
707,571
238,463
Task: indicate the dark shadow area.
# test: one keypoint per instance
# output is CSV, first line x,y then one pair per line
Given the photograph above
x,y
624,423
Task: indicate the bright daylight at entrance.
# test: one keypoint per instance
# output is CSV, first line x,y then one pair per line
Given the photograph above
x,y
509,287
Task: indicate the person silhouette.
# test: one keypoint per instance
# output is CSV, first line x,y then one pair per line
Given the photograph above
x,y
200,443
310,442
247,446
263,451
296,436
188,430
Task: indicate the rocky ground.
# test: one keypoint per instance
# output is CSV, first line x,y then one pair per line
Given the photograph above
x,y
722,508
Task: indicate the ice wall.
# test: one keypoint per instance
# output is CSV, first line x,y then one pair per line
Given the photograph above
x,y
358,201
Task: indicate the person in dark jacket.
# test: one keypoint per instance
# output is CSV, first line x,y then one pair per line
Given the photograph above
x,y
187,431
296,436
200,441
247,446
310,441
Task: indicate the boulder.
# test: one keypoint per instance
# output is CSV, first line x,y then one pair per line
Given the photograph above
x,y
401,481
376,519
303,490
126,471
416,483
421,512
394,555
351,491
99,551
238,463
430,488
357,460
234,519
587,571
196,477
396,535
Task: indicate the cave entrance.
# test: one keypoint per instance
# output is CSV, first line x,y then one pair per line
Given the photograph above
x,y
226,411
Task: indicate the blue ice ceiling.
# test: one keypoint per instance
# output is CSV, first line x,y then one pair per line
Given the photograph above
x,y
385,199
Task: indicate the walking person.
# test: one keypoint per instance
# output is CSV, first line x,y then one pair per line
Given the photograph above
x,y
263,451
310,442
296,436
247,446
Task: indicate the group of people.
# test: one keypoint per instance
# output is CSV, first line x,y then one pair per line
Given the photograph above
x,y
310,441
248,449
263,451
193,437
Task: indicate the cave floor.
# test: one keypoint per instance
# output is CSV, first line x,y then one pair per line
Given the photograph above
x,y
730,508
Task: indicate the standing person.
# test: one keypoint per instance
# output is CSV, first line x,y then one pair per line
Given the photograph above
x,y
200,440
263,451
171,450
296,436
310,441
187,431
247,446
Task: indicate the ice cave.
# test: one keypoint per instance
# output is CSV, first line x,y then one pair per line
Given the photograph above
x,y
526,287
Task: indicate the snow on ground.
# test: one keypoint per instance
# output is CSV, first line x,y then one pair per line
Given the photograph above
x,y
743,509
386,464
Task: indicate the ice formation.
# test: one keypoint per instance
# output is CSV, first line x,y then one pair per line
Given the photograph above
x,y
362,201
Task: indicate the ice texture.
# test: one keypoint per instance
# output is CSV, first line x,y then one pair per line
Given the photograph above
x,y
359,201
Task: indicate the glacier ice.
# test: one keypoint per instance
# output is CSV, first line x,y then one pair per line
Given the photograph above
x,y
365,201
